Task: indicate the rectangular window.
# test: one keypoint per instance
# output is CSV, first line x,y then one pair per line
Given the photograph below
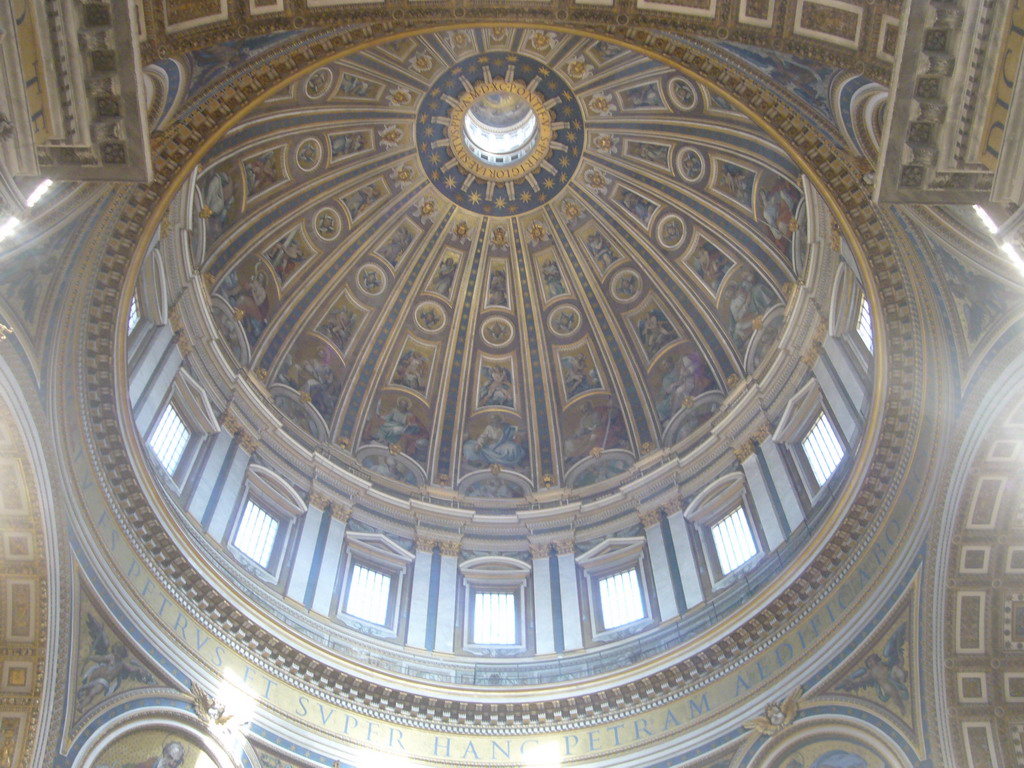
x,y
256,534
734,541
621,602
133,314
369,593
864,325
169,439
823,449
494,618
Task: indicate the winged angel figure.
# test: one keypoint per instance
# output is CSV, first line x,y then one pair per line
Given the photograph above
x,y
887,676
208,708
776,716
107,666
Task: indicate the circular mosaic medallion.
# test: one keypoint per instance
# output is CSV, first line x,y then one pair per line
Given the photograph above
x,y
474,114
371,280
327,223
626,285
308,155
691,164
430,317
671,230
498,332
564,320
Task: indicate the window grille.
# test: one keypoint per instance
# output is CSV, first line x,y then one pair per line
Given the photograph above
x,y
823,449
864,325
369,594
494,618
133,314
621,602
734,541
169,439
256,534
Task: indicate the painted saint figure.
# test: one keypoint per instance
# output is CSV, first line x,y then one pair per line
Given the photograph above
x,y
399,426
443,278
552,279
495,386
601,250
498,443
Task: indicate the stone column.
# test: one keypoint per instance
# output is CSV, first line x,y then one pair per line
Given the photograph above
x,y
146,362
309,551
568,587
419,598
208,473
152,395
849,371
543,626
222,505
660,568
693,593
447,595
325,577
762,495
776,472
847,420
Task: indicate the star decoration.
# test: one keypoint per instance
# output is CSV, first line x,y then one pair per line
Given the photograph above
x,y
435,158
500,203
525,196
474,198
563,161
571,135
449,182
549,182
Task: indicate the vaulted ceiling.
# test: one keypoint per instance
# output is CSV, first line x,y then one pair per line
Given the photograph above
x,y
555,327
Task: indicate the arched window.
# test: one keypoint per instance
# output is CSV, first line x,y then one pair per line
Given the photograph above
x,y
133,314
816,447
616,584
374,575
495,603
850,318
728,531
262,527
184,421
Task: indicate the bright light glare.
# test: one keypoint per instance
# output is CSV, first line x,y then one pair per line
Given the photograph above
x,y
38,192
1014,256
542,756
982,214
8,227
238,702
